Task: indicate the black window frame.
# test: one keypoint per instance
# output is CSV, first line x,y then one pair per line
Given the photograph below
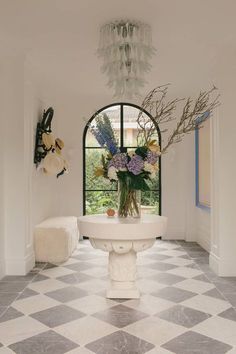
x,y
121,104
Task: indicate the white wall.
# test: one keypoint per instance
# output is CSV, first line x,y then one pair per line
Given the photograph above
x,y
18,251
223,248
26,195
203,228
2,253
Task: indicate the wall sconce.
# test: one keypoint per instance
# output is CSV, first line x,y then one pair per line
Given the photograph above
x,y
43,137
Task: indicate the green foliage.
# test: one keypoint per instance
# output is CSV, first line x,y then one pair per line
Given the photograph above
x,y
142,151
98,202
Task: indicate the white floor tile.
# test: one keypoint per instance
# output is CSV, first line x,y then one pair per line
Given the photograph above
x,y
34,304
159,350
4,350
185,272
91,304
96,271
149,286
57,272
47,285
207,304
196,286
149,304
155,330
85,330
81,350
93,286
173,253
218,328
181,262
69,261
19,329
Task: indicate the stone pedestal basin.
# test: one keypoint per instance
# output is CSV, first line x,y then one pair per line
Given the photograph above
x,y
122,238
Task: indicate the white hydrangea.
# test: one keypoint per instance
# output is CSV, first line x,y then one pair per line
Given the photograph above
x,y
151,168
131,153
112,173
148,167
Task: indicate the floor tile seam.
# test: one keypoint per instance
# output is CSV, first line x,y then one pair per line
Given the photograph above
x,y
210,281
20,293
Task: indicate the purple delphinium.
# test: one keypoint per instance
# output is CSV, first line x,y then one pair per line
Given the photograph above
x,y
119,161
136,164
152,157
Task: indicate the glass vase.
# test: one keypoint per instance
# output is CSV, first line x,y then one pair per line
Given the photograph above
x,y
129,201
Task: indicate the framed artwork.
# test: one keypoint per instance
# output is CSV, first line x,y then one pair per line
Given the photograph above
x,y
203,166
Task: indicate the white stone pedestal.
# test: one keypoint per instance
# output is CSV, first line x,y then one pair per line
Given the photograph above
x,y
122,238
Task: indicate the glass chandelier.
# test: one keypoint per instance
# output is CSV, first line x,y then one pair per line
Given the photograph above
x,y
126,48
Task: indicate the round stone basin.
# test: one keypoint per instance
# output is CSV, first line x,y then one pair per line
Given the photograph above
x,y
122,238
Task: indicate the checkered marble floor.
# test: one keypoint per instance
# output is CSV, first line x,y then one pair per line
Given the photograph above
x,y
184,308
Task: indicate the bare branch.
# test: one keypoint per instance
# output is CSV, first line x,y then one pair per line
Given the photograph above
x,y
163,112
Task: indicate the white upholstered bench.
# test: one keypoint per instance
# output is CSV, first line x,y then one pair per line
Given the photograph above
x,y
55,239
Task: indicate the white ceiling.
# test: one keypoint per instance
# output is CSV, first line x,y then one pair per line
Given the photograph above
x,y
61,37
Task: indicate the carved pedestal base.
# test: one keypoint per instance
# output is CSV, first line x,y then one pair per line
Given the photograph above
x,y
122,269
122,265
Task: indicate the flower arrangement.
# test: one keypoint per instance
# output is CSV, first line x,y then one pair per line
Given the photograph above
x,y
132,169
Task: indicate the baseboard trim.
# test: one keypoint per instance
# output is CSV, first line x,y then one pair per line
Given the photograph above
x,y
206,244
214,263
175,235
20,266
2,269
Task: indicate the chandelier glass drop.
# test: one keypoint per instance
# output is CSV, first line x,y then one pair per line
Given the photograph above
x,y
126,48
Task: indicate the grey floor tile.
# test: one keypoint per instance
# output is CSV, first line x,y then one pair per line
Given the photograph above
x,y
86,256
230,314
174,294
7,298
40,277
120,315
183,316
48,342
157,256
25,278
231,297
185,244
214,293
50,266
202,277
168,279
162,266
195,343
57,315
80,266
3,309
75,278
12,286
120,342
159,249
185,256
27,293
117,314
192,265
10,314
202,260
67,294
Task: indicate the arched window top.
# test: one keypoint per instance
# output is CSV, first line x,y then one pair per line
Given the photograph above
x,y
98,193
123,117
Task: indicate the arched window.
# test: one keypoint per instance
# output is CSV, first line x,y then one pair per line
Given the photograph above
x,y
98,193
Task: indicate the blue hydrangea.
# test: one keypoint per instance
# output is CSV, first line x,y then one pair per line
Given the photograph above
x,y
119,161
152,157
136,164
